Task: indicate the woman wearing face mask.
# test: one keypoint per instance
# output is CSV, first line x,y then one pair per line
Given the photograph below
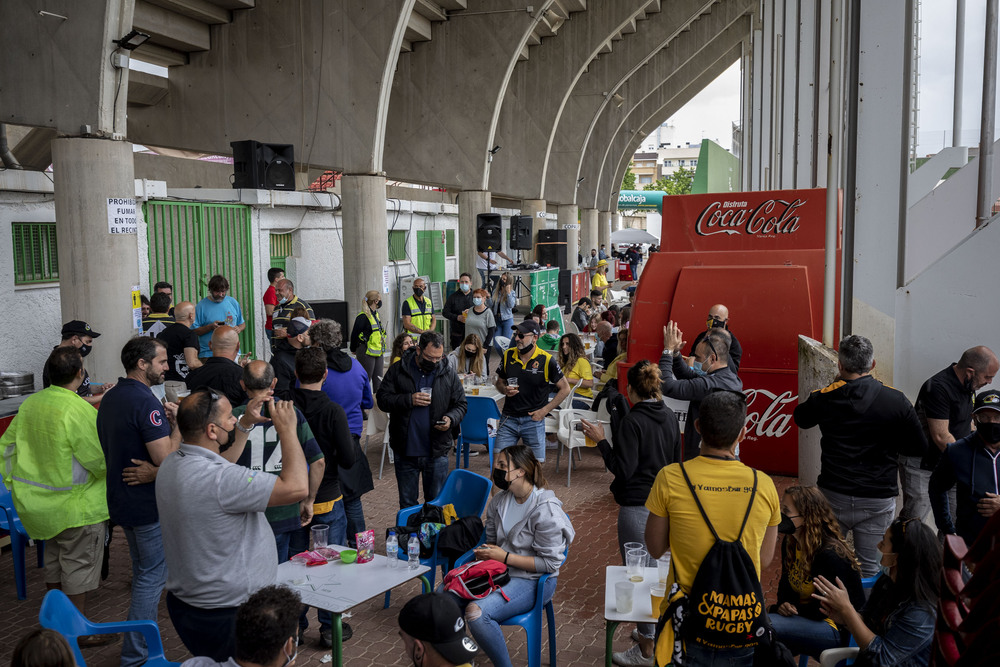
x,y
480,320
469,358
896,626
648,438
368,337
813,548
400,344
527,530
576,369
504,301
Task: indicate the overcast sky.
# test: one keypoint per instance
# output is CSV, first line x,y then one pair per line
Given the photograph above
x,y
711,113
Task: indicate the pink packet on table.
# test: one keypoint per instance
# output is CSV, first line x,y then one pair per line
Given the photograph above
x,y
366,546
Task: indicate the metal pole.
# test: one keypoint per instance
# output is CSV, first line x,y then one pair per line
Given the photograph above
x,y
835,115
956,113
984,207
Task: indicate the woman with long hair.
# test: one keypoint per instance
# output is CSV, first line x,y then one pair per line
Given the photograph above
x,y
479,319
813,547
896,626
648,438
469,357
401,344
368,337
528,531
576,369
504,301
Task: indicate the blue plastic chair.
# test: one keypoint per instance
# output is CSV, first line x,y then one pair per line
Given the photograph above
x,y
468,493
474,429
866,583
59,614
10,522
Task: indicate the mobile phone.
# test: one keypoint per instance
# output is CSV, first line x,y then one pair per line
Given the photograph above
x,y
439,422
578,426
220,322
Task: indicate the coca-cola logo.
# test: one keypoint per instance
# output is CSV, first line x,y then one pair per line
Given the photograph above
x,y
766,414
767,219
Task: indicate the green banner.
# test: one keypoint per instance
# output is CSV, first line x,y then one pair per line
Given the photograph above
x,y
641,200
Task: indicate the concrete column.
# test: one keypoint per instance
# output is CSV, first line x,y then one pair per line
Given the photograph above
x,y
817,369
536,209
616,222
366,247
588,231
604,230
470,204
569,221
97,269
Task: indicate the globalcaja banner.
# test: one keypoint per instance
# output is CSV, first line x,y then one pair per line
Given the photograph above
x,y
640,200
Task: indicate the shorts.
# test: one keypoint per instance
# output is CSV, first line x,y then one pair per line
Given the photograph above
x,y
73,558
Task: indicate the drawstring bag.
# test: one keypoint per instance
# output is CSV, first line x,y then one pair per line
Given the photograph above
x,y
474,581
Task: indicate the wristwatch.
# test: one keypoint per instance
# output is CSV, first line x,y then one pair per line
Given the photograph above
x,y
244,430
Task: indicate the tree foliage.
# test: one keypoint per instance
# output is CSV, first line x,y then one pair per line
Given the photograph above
x,y
628,183
677,183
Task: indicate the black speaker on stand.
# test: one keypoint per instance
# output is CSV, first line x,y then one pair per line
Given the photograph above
x,y
263,166
520,232
489,232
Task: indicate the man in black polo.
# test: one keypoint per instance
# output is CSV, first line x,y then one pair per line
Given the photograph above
x,y
182,350
78,334
526,377
159,317
220,371
944,407
456,306
718,318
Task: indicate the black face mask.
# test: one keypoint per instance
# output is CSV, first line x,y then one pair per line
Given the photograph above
x,y
786,527
426,365
418,291
716,323
85,350
527,349
378,304
988,431
500,479
229,439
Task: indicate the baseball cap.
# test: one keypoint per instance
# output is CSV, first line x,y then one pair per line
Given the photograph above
x,y
298,325
987,400
603,262
436,619
529,327
80,328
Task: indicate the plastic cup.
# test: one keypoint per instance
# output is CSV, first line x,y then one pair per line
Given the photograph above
x,y
635,562
656,593
320,535
426,390
633,545
512,382
663,567
624,594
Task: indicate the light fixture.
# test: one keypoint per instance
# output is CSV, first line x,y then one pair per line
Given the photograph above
x,y
580,180
618,100
132,41
493,151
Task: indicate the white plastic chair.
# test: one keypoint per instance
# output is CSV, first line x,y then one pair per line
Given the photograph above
x,y
572,328
552,419
570,438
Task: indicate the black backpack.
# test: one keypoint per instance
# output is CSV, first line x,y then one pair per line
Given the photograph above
x,y
726,608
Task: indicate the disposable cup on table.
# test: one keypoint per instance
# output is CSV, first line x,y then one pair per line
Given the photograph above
x,y
624,595
635,564
320,535
656,593
663,567
633,545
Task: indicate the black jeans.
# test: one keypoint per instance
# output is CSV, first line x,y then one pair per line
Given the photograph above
x,y
208,632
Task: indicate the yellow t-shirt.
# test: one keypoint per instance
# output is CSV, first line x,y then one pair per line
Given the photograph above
x,y
612,372
601,283
800,579
723,487
581,371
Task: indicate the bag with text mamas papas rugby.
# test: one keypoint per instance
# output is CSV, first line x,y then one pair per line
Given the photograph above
x,y
726,604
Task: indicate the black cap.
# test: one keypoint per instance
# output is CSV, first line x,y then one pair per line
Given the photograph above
x,y
298,325
529,327
988,400
78,327
436,619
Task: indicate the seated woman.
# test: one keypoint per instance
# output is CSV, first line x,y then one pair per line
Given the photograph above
x,y
469,358
610,374
896,626
527,529
592,322
576,369
401,344
813,547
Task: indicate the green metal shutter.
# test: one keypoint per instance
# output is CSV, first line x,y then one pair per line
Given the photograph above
x,y
281,249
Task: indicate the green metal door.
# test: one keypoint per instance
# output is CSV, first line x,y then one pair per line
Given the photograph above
x,y
430,254
191,242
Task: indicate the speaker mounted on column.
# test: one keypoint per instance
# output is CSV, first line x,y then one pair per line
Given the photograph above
x,y
263,166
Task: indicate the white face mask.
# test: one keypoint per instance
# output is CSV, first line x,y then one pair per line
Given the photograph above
x,y
477,301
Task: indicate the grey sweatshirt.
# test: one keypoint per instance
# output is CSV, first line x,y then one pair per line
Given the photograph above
x,y
544,533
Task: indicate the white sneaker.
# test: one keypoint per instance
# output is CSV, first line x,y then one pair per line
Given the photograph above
x,y
635,634
633,656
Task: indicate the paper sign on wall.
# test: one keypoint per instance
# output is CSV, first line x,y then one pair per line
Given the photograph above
x,y
122,216
385,280
136,305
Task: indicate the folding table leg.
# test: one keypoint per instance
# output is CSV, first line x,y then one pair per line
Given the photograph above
x,y
609,636
338,642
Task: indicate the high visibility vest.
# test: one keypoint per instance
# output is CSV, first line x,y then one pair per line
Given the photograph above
x,y
421,321
375,345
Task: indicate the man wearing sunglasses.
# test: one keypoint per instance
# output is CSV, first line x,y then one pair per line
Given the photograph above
x,y
682,382
526,376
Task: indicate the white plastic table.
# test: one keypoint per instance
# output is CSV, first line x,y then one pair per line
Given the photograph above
x,y
337,587
642,605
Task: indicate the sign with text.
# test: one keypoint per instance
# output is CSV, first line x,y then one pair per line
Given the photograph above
x,y
122,216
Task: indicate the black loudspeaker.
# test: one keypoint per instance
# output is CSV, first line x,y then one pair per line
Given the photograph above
x,y
263,166
565,287
336,310
553,254
520,232
552,236
489,233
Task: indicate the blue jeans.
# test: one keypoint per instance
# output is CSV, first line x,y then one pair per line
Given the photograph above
x,y
505,327
868,519
409,470
486,629
524,428
149,575
355,520
298,542
282,541
699,656
804,636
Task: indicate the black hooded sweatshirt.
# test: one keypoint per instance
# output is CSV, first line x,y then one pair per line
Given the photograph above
x,y
329,425
647,439
865,426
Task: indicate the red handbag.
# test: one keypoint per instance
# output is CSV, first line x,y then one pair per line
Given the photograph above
x,y
474,581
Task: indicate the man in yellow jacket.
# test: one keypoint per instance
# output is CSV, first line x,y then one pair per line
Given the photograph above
x,y
54,466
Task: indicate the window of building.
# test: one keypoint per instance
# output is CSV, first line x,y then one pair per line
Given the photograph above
x,y
281,250
449,248
680,162
668,163
36,257
693,163
397,246
645,180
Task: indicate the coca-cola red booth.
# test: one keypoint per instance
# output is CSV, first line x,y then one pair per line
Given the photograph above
x,y
761,254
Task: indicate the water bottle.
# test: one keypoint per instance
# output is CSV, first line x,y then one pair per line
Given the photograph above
x,y
392,549
413,549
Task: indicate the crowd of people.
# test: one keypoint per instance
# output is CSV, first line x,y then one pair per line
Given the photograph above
x,y
196,446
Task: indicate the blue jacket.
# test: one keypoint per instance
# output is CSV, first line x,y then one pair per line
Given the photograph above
x,y
968,464
347,385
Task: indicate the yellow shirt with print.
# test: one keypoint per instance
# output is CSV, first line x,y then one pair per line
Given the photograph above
x,y
581,371
723,488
